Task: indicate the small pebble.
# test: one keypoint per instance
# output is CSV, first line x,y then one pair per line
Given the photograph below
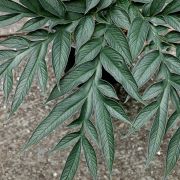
x,y
55,174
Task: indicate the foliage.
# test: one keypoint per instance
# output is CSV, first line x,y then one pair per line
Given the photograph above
x,y
134,41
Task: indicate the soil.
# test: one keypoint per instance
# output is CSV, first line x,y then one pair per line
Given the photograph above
x,y
36,164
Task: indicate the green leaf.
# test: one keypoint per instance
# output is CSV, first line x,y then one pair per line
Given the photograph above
x,y
144,116
42,74
120,17
55,7
173,21
84,31
12,7
175,99
178,51
15,42
172,7
117,40
91,130
153,91
90,156
7,54
146,67
173,63
99,30
89,51
76,76
156,6
72,163
137,35
107,89
34,24
39,34
159,126
4,66
13,62
134,12
8,83
8,19
172,120
116,110
91,4
173,152
114,64
104,4
173,37
78,6
61,112
175,81
123,4
66,141
33,5
60,52
87,108
27,75
105,129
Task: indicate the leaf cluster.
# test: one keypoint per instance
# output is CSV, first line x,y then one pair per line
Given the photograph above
x,y
137,42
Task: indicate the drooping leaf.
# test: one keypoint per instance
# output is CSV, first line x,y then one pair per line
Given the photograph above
x,y
173,37
105,129
67,141
7,54
153,91
144,116
120,17
84,31
33,5
42,72
104,4
8,83
117,40
156,6
173,21
34,24
55,7
107,89
15,42
78,6
159,126
116,110
114,63
172,120
99,30
8,19
178,51
90,156
73,78
89,51
91,4
172,7
123,4
137,35
12,7
72,163
27,76
61,112
60,53
173,63
173,152
146,67
91,130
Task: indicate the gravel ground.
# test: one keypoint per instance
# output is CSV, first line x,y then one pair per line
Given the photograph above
x,y
36,164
